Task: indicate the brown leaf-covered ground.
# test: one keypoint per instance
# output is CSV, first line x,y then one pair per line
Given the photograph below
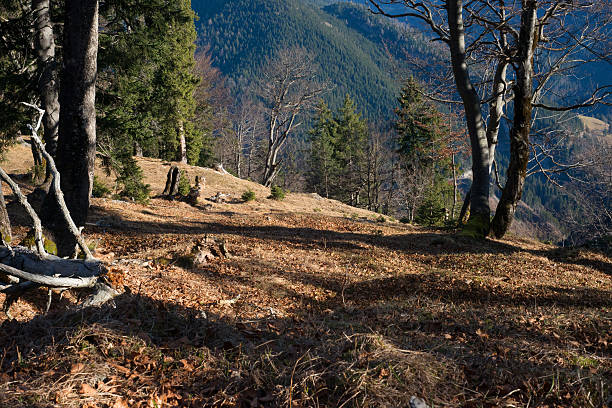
x,y
318,305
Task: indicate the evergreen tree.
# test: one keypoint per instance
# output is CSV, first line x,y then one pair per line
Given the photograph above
x,y
422,138
147,78
175,83
350,151
323,168
338,153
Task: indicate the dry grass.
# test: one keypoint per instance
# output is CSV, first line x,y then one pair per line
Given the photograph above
x,y
314,309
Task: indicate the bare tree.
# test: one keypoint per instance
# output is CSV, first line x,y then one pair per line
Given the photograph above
x,y
77,128
539,40
289,89
48,81
246,124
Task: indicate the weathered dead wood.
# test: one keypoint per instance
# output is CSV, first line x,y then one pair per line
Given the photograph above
x,y
28,270
219,168
51,265
50,281
60,197
38,236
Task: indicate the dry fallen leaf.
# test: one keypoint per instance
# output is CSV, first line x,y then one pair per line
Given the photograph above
x,y
87,389
77,368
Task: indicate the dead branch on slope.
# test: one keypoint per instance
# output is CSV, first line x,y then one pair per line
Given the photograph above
x,y
26,270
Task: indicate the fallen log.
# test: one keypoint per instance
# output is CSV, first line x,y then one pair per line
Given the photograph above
x,y
50,281
51,265
27,270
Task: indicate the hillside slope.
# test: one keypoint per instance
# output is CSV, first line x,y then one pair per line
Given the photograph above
x,y
311,308
356,51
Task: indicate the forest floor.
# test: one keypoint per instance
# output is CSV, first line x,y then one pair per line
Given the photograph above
x,y
319,305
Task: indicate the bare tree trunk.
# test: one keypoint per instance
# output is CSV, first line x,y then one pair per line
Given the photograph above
x,y
454,187
5,222
183,144
465,207
176,179
48,84
137,149
238,152
77,128
479,196
521,125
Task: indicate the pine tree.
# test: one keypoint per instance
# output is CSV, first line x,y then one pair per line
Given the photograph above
x,y
323,167
350,151
422,138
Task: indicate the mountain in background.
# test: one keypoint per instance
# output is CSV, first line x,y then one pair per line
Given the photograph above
x,y
365,55
359,53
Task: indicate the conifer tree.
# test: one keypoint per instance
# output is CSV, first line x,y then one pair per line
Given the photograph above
x,y
323,166
422,142
350,152
338,153
175,83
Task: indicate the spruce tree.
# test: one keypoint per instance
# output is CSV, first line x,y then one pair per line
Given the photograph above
x,y
423,148
350,151
174,84
338,162
323,169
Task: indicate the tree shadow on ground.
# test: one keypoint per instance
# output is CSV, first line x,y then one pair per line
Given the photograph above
x,y
323,356
432,243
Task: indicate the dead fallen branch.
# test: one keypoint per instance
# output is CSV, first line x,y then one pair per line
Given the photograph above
x,y
50,281
57,189
27,270
38,236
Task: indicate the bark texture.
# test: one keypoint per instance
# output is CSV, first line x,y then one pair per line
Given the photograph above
x,y
521,124
48,83
5,222
479,193
182,142
172,182
77,128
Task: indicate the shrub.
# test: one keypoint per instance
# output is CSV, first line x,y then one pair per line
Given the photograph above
x,y
99,189
277,193
248,195
405,220
184,185
381,219
130,181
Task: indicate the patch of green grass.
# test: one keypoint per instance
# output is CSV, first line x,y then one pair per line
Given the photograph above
x,y
584,361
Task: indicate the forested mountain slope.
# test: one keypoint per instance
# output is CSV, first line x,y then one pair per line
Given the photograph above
x,y
357,52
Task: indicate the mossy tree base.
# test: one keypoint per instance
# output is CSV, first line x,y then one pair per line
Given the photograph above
x,y
477,227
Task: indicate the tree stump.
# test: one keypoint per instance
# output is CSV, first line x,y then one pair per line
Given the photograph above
x,y
195,192
172,182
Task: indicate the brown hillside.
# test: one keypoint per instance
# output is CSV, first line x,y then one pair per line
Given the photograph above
x,y
315,307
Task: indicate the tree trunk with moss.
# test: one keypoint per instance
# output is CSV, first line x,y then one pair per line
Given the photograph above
x,y
77,132
521,125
